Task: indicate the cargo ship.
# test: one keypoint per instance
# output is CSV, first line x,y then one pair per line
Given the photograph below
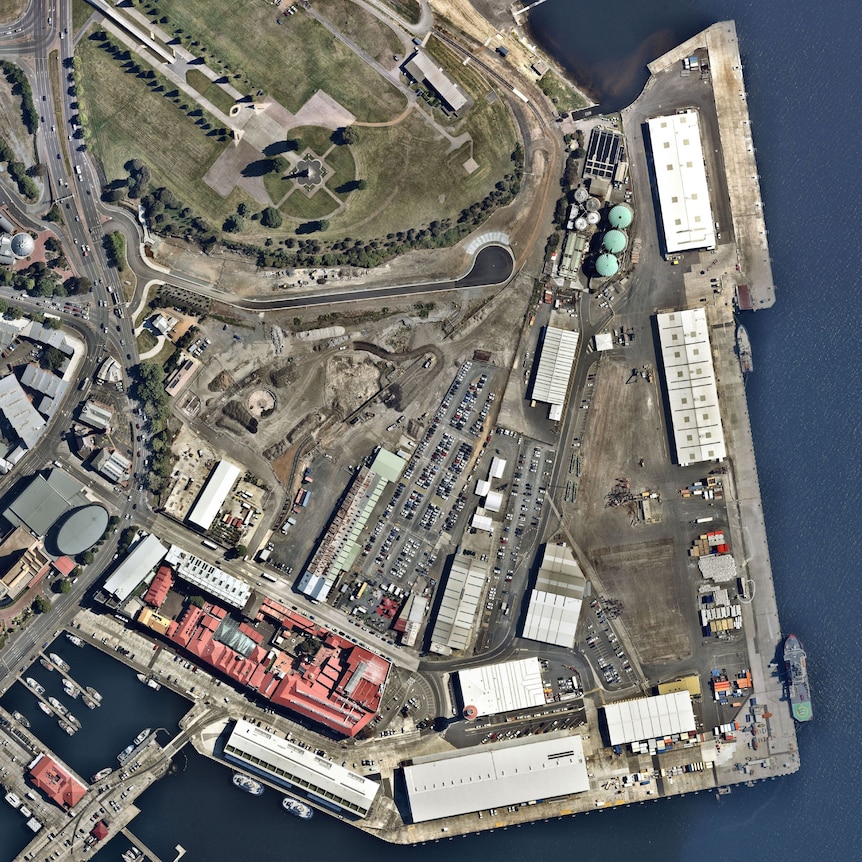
x,y
63,665
297,808
75,639
249,785
797,679
743,349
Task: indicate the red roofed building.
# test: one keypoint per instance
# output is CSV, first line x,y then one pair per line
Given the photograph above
x,y
64,565
100,831
56,782
160,586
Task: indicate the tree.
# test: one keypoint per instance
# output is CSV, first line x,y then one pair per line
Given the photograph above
x,y
52,358
277,165
86,558
233,224
241,550
197,601
361,185
347,136
323,225
65,586
271,218
41,605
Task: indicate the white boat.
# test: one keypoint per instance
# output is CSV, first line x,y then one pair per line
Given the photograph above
x,y
89,702
70,688
102,773
148,681
297,808
249,785
125,753
39,689
63,665
75,639
68,728
142,736
46,664
21,719
73,721
94,694
45,708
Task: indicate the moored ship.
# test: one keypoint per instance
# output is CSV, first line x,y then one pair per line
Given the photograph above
x,y
148,681
798,691
75,639
35,685
58,707
70,688
45,663
94,694
89,702
21,719
102,773
249,785
142,736
68,728
63,665
743,349
297,808
45,708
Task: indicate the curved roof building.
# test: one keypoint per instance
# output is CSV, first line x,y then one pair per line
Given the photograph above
x,y
22,245
607,265
614,241
82,529
620,216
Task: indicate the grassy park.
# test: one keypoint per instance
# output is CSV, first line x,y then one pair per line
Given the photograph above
x,y
209,90
367,31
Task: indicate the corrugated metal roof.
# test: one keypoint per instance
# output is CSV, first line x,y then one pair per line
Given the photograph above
x,y
214,493
649,717
501,774
140,561
454,625
559,349
503,687
555,602
421,67
19,412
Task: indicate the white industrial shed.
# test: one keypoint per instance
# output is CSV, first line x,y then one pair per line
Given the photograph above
x,y
508,773
649,718
555,368
680,172
555,601
141,560
454,625
503,687
690,382
214,493
200,573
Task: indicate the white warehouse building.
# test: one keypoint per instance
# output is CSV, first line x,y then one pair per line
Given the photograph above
x,y
214,493
683,192
647,718
551,384
505,687
691,390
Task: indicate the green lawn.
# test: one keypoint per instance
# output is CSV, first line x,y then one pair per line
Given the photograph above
x,y
314,138
195,78
300,207
290,61
126,120
11,9
562,94
409,10
360,26
343,169
81,12
146,341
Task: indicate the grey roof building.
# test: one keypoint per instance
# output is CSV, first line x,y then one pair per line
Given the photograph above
x,y
44,501
19,412
422,68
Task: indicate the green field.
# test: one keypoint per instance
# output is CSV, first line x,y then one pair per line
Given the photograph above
x,y
563,96
213,92
290,62
343,169
409,10
81,12
300,207
126,120
369,33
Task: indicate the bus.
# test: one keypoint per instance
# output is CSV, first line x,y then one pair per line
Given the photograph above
x,y
209,543
268,577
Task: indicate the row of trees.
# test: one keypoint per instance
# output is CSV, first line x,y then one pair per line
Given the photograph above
x,y
21,87
150,391
19,173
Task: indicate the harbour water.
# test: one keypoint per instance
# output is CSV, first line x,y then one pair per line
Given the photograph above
x,y
804,399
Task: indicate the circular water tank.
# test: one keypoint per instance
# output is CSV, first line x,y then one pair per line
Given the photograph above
x,y
593,205
614,241
606,265
22,245
620,216
82,529
581,194
592,218
580,223
470,712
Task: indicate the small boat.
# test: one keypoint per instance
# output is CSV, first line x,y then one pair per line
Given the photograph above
x,y
89,702
68,728
297,808
45,708
102,773
73,721
148,681
12,799
142,736
743,349
75,639
45,663
58,707
39,689
125,753
63,665
70,688
249,785
94,694
21,719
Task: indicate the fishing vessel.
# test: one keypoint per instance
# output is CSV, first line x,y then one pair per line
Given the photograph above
x,y
297,808
121,757
102,773
796,666
75,639
70,688
89,702
63,665
68,728
743,349
148,681
142,736
249,785
12,799
45,663
21,719
45,708
93,693
39,689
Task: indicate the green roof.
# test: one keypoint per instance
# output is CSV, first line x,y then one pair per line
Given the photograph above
x,y
388,465
606,265
614,241
620,216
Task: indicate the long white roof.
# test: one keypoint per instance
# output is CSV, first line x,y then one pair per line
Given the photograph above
x,y
555,602
649,717
504,687
214,493
683,191
208,577
555,366
460,602
283,762
508,773
690,382
142,559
